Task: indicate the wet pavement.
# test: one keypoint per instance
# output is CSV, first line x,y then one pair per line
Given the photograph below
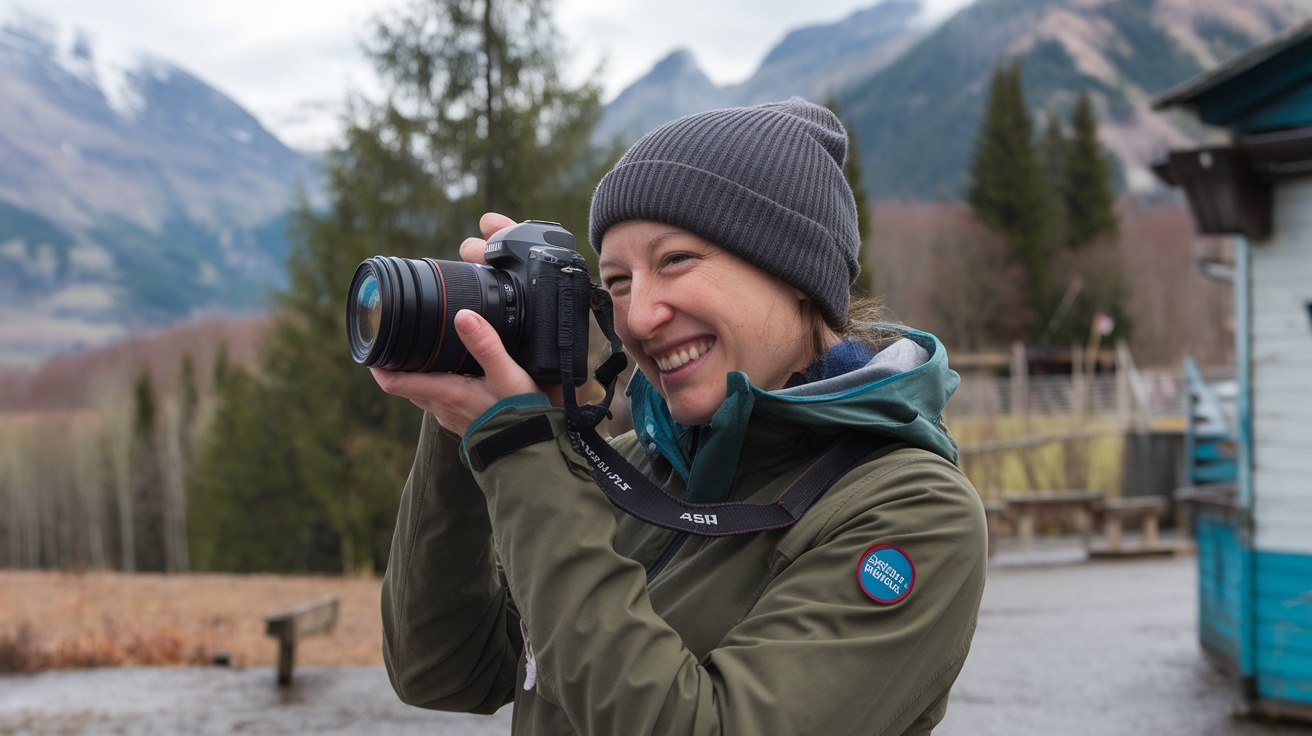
x,y
1079,648
172,702
1064,646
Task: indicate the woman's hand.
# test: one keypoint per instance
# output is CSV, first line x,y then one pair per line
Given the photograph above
x,y
456,401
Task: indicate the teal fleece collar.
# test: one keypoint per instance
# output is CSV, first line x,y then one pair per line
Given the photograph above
x,y
906,406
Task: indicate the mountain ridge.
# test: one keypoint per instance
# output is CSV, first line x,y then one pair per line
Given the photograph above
x,y
915,105
131,195
812,61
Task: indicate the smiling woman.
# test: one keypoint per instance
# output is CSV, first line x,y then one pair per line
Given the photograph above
x,y
728,243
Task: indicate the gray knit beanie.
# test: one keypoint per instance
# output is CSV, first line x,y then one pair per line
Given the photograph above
x,y
765,183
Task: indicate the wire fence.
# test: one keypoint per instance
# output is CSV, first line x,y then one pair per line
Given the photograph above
x,y
1082,430
1145,397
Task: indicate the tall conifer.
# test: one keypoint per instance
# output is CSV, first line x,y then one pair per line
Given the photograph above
x,y
1087,187
148,500
476,118
1054,150
1008,189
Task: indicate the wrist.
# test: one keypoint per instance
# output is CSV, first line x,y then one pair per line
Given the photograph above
x,y
534,400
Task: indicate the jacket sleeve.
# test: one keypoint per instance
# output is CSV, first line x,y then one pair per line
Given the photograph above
x,y
450,637
812,653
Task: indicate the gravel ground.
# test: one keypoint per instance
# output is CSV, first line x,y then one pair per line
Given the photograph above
x,y
1064,647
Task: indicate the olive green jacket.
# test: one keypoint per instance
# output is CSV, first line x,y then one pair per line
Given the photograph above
x,y
521,582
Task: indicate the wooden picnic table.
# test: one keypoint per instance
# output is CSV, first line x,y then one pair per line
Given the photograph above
x,y
1079,506
1116,512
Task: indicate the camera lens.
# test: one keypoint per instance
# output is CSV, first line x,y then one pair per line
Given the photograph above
x,y
400,312
366,312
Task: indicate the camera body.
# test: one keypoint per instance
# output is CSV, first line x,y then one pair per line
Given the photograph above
x,y
400,312
536,252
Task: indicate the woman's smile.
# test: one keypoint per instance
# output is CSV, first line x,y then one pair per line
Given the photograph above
x,y
679,358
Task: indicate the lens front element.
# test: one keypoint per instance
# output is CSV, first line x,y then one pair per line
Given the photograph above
x,y
368,311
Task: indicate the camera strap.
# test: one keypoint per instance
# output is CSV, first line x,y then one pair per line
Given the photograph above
x,y
633,492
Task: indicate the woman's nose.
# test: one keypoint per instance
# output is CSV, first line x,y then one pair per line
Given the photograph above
x,y
647,310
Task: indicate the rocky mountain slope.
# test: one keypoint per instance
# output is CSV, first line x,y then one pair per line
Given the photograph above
x,y
813,62
914,97
130,194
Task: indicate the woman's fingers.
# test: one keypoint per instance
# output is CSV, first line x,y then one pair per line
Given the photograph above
x,y
504,375
471,250
492,222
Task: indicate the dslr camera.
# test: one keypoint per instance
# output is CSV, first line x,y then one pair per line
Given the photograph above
x,y
400,311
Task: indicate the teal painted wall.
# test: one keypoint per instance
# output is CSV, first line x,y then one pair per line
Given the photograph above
x,y
1220,576
1279,654
1283,626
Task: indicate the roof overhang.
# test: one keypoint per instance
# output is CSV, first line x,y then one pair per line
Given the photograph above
x,y
1225,195
1229,187
1227,90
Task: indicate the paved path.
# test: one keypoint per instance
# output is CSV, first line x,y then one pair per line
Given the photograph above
x,y
1064,648
173,702
1093,649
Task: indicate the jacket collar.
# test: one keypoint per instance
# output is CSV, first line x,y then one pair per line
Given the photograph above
x,y
900,393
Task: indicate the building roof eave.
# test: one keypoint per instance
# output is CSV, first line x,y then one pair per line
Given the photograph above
x,y
1188,92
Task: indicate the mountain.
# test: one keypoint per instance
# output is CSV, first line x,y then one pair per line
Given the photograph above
x,y
674,87
917,118
132,194
913,96
813,62
816,61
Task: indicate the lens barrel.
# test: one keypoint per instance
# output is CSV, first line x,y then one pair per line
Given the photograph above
x,y
400,312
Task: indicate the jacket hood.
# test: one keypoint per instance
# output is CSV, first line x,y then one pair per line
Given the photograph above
x,y
899,394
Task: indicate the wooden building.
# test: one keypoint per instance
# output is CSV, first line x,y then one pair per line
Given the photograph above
x,y
1255,535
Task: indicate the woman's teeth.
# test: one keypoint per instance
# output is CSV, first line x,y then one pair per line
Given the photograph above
x,y
683,357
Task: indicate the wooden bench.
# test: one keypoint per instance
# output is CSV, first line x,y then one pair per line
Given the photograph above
x,y
1077,506
318,616
1117,512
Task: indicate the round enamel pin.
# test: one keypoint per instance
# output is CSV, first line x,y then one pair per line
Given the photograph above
x,y
886,573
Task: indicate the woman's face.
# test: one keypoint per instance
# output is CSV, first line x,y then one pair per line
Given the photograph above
x,y
689,312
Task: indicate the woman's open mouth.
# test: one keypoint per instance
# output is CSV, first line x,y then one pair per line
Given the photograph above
x,y
678,359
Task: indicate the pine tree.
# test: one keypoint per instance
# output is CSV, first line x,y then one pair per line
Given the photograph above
x,y
249,509
1091,257
1007,190
148,502
1086,186
478,101
1054,150
476,119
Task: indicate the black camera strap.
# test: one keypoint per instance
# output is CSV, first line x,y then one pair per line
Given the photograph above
x,y
636,494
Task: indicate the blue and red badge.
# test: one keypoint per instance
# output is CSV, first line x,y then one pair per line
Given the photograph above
x,y
886,573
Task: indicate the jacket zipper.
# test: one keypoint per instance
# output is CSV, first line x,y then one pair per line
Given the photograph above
x,y
671,550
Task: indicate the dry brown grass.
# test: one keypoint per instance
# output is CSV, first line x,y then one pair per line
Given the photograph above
x,y
55,620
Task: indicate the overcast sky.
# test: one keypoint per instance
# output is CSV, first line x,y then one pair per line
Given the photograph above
x,y
293,62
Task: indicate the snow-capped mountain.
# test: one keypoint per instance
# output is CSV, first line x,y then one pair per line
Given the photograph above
x,y
131,194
